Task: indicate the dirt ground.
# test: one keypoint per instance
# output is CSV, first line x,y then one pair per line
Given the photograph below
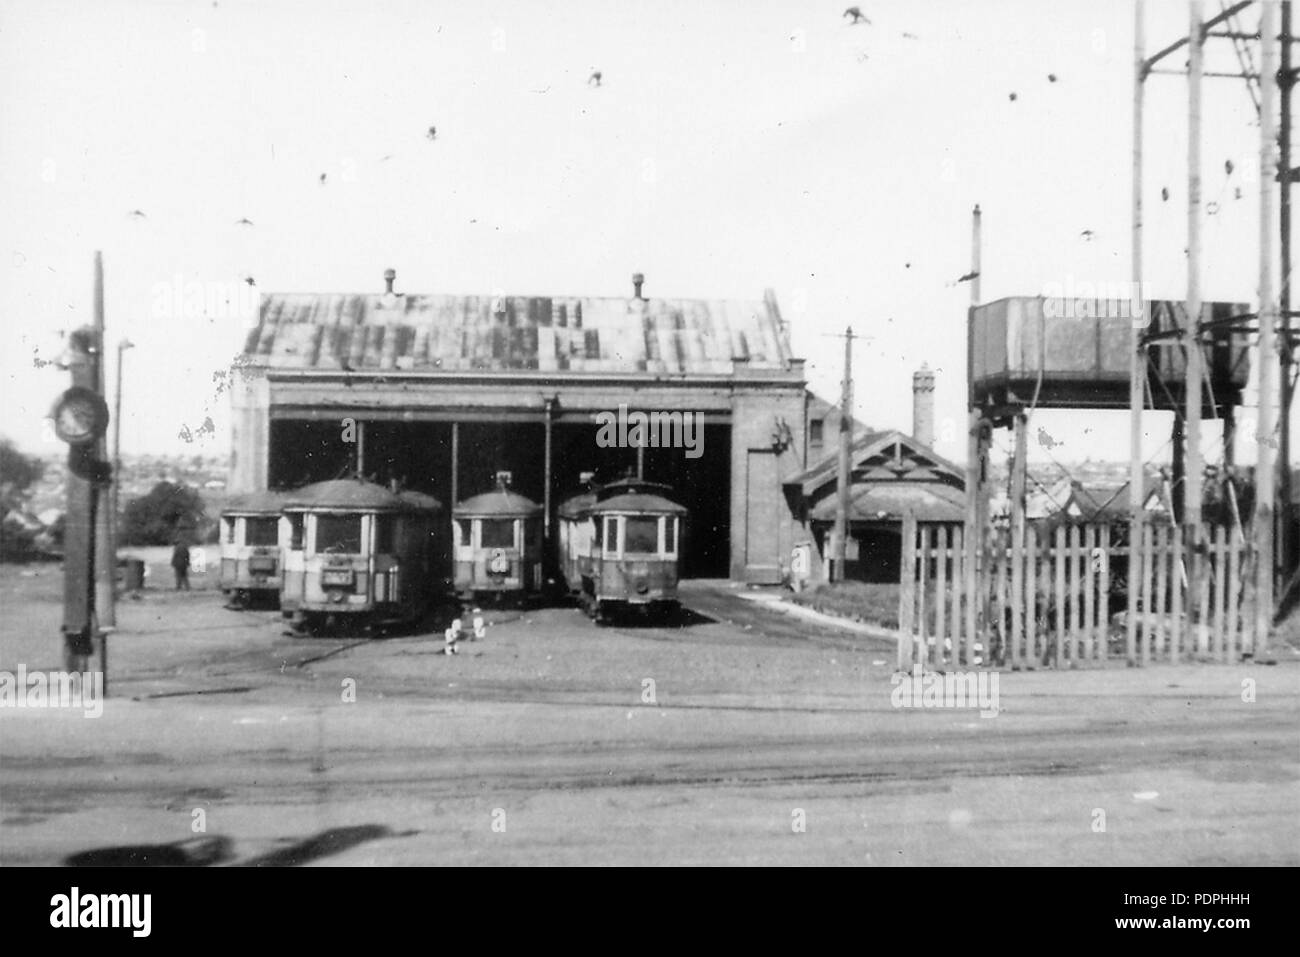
x,y
741,734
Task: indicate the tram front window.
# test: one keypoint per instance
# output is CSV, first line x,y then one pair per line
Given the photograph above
x,y
497,533
261,531
641,535
338,533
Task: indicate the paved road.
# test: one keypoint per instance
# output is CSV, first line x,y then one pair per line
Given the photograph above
x,y
767,740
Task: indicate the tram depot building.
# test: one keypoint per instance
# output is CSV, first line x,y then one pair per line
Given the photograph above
x,y
438,393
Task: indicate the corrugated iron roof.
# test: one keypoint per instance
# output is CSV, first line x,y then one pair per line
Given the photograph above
x,y
428,333
890,502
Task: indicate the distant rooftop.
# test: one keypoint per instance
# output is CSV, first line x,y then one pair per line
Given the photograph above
x,y
432,333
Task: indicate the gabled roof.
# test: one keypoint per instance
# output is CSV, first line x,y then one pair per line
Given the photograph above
x,y
1090,501
880,457
443,333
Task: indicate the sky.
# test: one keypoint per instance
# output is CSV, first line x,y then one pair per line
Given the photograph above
x,y
730,147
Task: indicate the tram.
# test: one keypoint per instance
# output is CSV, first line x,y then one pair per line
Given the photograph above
x,y
251,544
359,554
498,545
621,548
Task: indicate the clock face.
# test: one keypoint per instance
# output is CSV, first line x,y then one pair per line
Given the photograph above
x,y
80,416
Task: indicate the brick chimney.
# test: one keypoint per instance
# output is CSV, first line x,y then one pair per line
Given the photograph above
x,y
923,406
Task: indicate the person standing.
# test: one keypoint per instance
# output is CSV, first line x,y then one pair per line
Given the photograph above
x,y
181,566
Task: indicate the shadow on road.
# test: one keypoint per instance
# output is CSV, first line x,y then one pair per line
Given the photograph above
x,y
207,851
196,852
324,844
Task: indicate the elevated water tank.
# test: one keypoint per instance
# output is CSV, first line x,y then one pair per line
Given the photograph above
x,y
1074,353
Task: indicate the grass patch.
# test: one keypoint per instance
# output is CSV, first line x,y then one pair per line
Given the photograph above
x,y
870,604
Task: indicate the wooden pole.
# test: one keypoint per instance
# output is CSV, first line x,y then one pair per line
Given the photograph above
x,y
105,545
1287,542
846,438
1265,474
1137,348
1192,385
974,535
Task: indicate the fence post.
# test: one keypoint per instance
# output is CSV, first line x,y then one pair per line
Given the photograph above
x,y
1058,557
907,595
1031,597
923,632
1221,593
955,583
1135,576
1090,588
1102,649
1162,587
1234,596
941,590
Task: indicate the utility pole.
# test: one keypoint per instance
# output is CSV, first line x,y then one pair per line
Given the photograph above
x,y
1137,347
976,450
1192,384
846,440
105,543
1285,80
1265,474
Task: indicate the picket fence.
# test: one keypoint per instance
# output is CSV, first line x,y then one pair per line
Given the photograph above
x,y
1060,599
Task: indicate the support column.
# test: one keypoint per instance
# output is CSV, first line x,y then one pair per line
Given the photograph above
x,y
1178,481
1019,466
455,466
546,470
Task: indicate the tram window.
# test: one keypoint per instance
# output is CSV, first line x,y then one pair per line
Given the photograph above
x,y
229,524
338,533
384,534
670,536
595,535
295,532
497,533
462,532
611,534
641,535
261,531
